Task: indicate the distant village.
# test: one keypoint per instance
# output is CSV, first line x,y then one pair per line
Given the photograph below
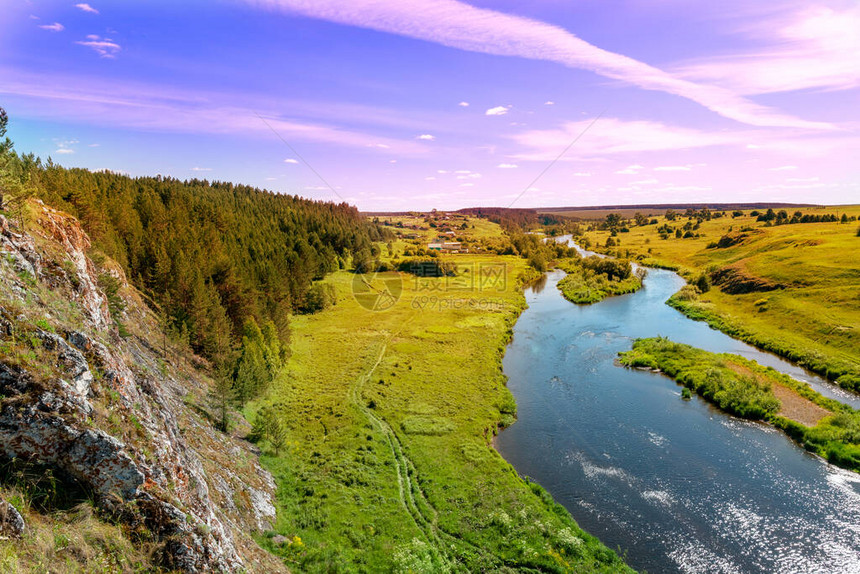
x,y
446,227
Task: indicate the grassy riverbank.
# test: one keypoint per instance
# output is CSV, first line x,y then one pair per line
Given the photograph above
x,y
586,282
791,289
381,429
744,388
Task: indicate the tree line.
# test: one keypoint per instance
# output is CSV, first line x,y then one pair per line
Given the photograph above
x,y
224,265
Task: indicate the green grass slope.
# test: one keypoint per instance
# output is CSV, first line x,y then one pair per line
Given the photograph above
x,y
380,437
791,289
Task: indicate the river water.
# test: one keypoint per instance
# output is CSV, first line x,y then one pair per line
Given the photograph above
x,y
675,485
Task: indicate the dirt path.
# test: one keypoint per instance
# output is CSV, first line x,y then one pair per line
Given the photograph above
x,y
794,406
412,497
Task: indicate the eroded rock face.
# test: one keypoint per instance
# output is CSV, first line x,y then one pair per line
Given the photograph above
x,y
114,413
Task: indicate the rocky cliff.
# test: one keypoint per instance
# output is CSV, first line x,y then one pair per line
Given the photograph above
x,y
92,392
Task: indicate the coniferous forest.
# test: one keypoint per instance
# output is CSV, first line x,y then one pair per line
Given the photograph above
x,y
211,257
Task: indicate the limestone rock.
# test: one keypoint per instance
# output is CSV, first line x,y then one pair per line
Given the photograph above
x,y
113,413
11,522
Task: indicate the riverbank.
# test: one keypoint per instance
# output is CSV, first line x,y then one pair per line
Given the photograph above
x,y
383,455
788,289
744,388
585,283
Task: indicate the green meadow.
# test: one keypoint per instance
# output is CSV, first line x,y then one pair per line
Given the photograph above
x,y
380,431
792,289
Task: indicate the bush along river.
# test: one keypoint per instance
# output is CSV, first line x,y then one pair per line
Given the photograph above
x,y
675,485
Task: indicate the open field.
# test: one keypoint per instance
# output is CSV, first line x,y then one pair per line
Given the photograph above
x,y
385,420
792,289
652,210
745,388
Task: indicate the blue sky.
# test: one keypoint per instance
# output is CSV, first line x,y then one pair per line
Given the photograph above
x,y
394,105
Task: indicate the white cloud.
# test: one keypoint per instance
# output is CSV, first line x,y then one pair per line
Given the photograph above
x,y
201,169
549,103
802,179
784,168
630,170
673,168
271,178
94,145
463,104
814,47
459,25
86,8
582,174
470,176
64,151
392,161
753,146
430,178
427,137
651,181
463,171
508,165
442,171
104,47
498,111
55,27
612,135
467,184
291,160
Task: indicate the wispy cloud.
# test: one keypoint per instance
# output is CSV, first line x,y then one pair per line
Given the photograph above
x,y
201,168
630,170
784,168
673,168
549,103
463,104
104,47
153,107
462,26
86,8
55,27
814,47
613,135
427,137
498,111
64,147
507,165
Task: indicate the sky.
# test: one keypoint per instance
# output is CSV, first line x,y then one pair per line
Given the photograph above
x,y
396,105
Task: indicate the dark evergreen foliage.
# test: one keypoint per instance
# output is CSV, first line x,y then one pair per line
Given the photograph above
x,y
212,256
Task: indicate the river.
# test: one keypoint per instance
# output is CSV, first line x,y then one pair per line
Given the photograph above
x,y
675,485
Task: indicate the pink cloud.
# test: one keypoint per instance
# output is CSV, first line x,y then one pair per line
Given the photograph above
x,y
55,27
86,8
465,27
816,47
104,47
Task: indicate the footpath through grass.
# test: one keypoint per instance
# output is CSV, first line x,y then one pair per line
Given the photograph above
x,y
383,452
744,388
790,289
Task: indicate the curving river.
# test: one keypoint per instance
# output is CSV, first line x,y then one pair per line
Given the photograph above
x,y
676,485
